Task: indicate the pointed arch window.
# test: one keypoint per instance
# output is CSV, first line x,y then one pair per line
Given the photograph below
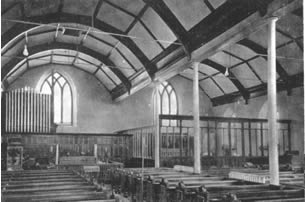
x,y
168,103
58,86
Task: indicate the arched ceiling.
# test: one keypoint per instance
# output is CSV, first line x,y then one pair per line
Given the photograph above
x,y
126,44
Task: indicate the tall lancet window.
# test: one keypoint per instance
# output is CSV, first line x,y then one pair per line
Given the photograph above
x,y
58,85
168,103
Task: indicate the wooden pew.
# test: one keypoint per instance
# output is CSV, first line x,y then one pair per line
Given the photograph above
x,y
186,190
125,180
12,178
168,186
77,160
25,175
153,182
45,188
136,181
288,194
62,195
15,182
105,171
248,192
208,192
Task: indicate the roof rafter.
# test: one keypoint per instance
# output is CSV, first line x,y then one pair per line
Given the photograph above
x,y
223,18
97,8
171,21
263,51
245,94
59,45
298,12
85,20
245,62
260,90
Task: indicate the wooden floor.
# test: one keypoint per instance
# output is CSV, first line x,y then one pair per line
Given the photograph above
x,y
47,185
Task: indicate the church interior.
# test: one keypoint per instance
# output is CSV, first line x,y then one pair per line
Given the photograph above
x,y
152,100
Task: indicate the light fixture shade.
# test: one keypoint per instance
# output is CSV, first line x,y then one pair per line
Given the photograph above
x,y
227,72
25,50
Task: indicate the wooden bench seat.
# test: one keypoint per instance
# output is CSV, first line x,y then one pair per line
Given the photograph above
x,y
250,192
282,200
37,187
136,182
168,187
41,184
15,172
35,175
38,177
59,196
77,160
49,188
153,183
75,179
129,178
268,195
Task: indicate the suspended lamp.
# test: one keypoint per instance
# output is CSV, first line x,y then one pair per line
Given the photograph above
x,y
56,33
227,72
25,50
63,30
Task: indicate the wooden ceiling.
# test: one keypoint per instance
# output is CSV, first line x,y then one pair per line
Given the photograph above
x,y
126,44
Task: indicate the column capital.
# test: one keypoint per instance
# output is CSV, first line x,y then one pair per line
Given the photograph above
x,y
273,18
194,63
156,83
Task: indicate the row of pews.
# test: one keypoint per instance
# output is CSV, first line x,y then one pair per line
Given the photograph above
x,y
48,185
169,185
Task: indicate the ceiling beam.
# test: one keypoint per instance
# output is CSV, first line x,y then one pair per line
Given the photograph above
x,y
4,11
298,12
97,8
245,94
263,51
260,90
84,20
222,19
171,21
227,25
59,45
60,6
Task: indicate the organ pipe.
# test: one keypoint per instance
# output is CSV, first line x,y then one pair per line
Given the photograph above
x,y
27,111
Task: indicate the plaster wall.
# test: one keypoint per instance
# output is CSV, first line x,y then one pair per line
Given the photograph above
x,y
95,110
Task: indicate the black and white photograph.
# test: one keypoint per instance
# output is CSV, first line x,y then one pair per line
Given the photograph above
x,y
152,101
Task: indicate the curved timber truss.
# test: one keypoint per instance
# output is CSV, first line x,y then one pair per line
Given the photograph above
x,y
221,20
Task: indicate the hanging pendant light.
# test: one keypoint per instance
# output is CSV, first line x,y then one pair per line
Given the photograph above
x,y
226,72
25,50
56,33
63,30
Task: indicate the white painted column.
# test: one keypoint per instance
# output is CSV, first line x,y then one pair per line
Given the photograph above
x,y
272,114
57,154
197,166
157,127
95,151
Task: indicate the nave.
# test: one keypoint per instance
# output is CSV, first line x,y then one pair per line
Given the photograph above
x,y
152,100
